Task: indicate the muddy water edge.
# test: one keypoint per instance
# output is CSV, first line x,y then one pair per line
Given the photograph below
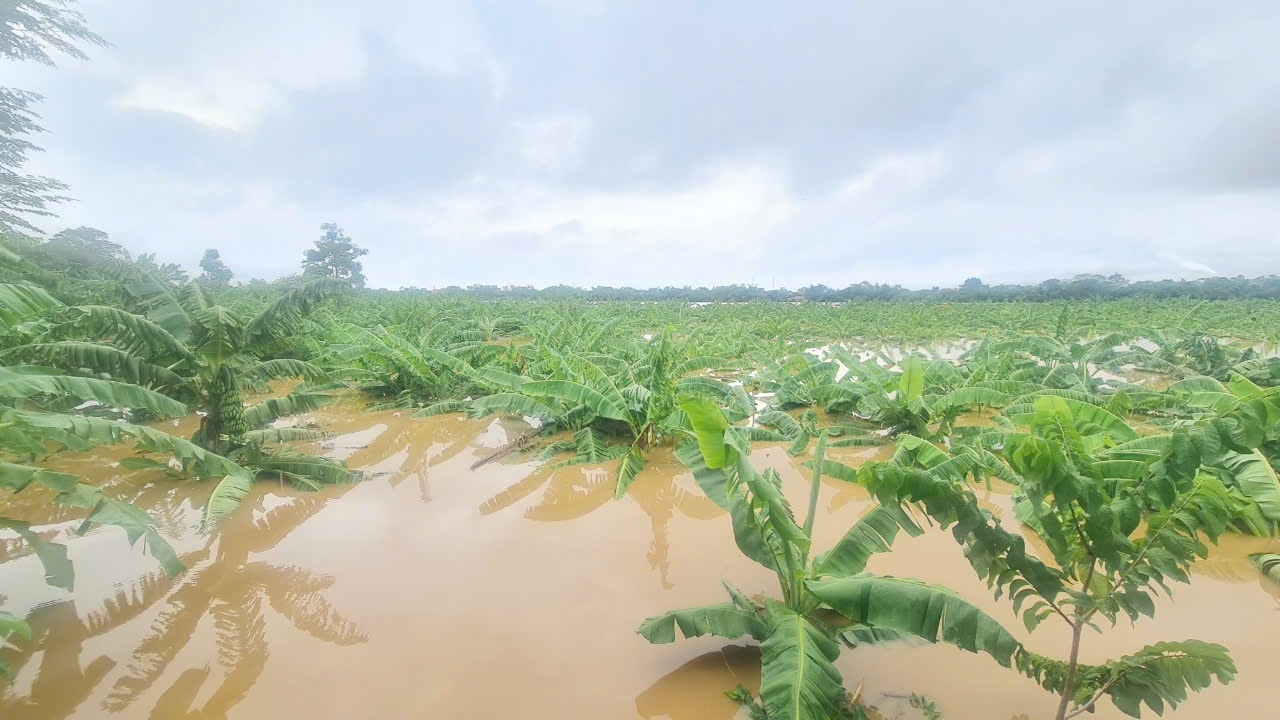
x,y
431,590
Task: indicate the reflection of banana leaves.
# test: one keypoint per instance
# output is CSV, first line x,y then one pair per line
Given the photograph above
x,y
232,589
574,492
229,587
514,493
63,681
421,452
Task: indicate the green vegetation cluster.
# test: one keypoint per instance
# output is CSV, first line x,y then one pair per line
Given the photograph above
x,y
1124,482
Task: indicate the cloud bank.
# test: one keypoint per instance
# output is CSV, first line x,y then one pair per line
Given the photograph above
x,y
624,143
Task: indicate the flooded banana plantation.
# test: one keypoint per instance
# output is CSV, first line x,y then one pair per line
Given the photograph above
x,y
491,510
917,377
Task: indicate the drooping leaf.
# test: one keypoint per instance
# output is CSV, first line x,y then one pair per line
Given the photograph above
x,y
97,431
19,302
716,484
272,409
576,394
271,436
930,612
1090,417
284,314
1269,564
725,620
1256,479
135,522
16,383
131,333
628,467
798,676
911,382
227,495
310,472
287,368
510,404
122,366
708,426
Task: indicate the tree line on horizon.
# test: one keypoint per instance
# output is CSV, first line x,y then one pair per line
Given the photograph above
x,y
1079,287
86,253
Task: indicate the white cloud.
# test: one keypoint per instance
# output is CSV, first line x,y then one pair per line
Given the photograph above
x,y
229,71
235,106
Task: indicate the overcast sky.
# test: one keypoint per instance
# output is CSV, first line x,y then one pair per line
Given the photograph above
x,y
651,143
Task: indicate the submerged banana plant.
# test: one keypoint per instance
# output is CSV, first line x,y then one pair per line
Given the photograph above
x,y
826,600
614,408
921,397
406,369
210,357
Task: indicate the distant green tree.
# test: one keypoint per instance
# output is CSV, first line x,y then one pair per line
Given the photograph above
x,y
86,246
335,256
172,272
30,30
215,272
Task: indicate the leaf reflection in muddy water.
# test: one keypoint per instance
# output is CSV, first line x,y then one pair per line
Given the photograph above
x,y
223,584
510,591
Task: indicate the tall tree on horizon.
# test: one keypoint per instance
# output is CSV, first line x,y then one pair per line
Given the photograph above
x,y
215,272
335,257
86,246
31,30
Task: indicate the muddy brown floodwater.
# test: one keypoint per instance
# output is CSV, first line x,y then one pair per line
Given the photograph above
x,y
433,591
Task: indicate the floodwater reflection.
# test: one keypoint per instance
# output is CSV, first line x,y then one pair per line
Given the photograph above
x,y
661,490
513,590
224,583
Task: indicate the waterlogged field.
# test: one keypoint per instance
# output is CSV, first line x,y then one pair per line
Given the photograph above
x,y
421,507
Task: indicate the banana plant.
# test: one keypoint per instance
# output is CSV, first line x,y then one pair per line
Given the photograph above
x,y
922,397
1058,362
801,431
826,600
404,369
603,399
208,356
1120,515
1197,353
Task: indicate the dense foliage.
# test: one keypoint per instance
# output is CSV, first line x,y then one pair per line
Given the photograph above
x,y
1129,429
